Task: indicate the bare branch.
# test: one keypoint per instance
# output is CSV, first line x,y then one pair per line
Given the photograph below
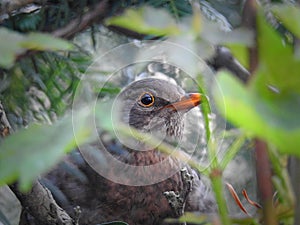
x,y
5,128
223,58
40,204
79,24
8,6
294,168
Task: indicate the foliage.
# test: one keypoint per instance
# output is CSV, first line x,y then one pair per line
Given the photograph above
x,y
19,43
143,21
269,106
38,156
36,86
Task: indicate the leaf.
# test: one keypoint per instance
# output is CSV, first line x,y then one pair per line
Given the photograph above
x,y
277,61
9,47
188,217
30,152
42,42
269,107
104,115
240,52
146,20
197,19
289,15
240,36
13,44
275,121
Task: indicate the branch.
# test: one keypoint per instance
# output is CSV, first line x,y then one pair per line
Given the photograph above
x,y
97,13
77,25
131,34
8,6
249,21
294,162
5,128
294,168
39,202
223,58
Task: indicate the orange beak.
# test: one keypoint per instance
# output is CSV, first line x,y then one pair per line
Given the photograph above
x,y
187,102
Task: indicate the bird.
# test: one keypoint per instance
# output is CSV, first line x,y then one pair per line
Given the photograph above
x,y
135,191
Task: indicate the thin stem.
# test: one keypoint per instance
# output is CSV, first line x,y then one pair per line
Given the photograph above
x,y
216,182
217,186
232,151
264,182
163,147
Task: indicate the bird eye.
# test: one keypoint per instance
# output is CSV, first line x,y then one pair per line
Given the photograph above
x,y
146,99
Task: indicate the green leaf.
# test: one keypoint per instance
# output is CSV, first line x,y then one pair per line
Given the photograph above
x,y
272,117
9,47
104,115
188,217
146,20
289,15
30,152
42,42
197,19
277,61
13,44
240,52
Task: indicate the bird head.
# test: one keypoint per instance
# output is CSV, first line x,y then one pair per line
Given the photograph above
x,y
156,106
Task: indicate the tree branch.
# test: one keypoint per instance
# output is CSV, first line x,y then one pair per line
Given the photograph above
x,y
5,128
8,6
40,204
224,59
294,162
97,13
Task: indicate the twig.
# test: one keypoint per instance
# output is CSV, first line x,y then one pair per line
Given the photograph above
x,y
294,168
5,128
40,204
249,21
264,181
75,26
97,13
130,33
294,162
223,58
217,186
8,6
